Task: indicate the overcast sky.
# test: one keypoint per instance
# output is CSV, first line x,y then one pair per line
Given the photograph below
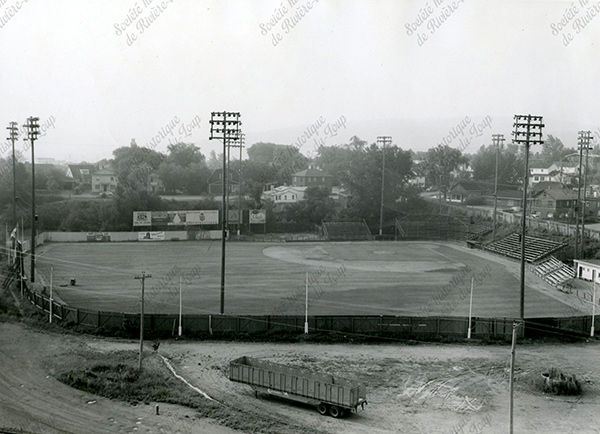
x,y
94,87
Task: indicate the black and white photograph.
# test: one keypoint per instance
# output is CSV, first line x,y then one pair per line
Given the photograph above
x,y
299,216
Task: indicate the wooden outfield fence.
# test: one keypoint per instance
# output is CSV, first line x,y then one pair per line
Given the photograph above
x,y
365,325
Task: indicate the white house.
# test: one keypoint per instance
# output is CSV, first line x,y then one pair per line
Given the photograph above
x,y
284,194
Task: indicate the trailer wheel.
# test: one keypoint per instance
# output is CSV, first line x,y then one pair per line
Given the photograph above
x,y
335,411
322,408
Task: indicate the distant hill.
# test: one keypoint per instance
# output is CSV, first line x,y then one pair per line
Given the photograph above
x,y
422,134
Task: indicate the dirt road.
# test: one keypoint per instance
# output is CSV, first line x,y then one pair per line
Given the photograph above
x,y
32,401
411,388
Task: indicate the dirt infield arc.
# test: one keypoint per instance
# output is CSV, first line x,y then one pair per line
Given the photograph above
x,y
345,278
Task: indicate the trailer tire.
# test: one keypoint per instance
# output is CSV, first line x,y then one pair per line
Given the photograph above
x,y
335,411
322,409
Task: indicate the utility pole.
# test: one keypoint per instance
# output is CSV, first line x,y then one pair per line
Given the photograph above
x,y
383,140
528,131
497,140
143,278
224,126
13,135
585,139
33,130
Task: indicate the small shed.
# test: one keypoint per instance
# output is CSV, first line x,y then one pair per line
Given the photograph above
x,y
588,269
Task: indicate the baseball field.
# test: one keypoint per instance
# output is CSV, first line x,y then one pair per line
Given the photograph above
x,y
344,278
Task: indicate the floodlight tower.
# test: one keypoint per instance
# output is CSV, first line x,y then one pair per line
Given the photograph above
x,y
497,140
584,144
239,143
13,135
225,126
33,130
528,131
383,140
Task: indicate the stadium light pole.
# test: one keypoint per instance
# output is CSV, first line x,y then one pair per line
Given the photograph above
x,y
585,137
13,135
225,126
497,140
237,143
33,130
528,131
383,140
143,278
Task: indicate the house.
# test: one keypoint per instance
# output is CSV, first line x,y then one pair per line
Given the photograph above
x,y
557,203
155,184
546,185
417,174
509,198
215,182
561,172
284,194
312,177
80,175
464,191
103,181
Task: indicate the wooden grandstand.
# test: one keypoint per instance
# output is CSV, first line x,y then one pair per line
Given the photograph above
x,y
346,231
536,249
445,227
555,272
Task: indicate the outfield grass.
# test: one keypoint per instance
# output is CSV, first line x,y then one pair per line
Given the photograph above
x,y
370,278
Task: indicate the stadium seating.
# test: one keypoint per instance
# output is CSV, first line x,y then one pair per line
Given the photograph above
x,y
350,231
535,248
554,272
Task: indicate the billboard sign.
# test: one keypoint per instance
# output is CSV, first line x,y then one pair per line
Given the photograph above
x,y
175,218
142,218
233,216
151,236
258,216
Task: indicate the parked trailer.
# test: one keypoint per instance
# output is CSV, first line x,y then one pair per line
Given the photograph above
x,y
330,395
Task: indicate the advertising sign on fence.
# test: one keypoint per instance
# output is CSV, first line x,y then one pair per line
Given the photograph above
x,y
98,237
258,216
151,236
175,218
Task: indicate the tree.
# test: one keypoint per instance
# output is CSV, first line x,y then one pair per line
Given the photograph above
x,y
440,162
316,207
362,176
553,150
184,169
510,166
133,165
184,154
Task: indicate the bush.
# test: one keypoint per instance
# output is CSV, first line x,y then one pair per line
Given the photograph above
x,y
558,383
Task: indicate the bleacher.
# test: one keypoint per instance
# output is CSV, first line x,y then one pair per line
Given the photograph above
x,y
555,272
475,231
535,248
346,231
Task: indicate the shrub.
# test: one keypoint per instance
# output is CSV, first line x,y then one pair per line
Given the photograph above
x,y
558,383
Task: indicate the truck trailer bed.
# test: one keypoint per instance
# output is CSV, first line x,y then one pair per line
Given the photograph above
x,y
328,393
